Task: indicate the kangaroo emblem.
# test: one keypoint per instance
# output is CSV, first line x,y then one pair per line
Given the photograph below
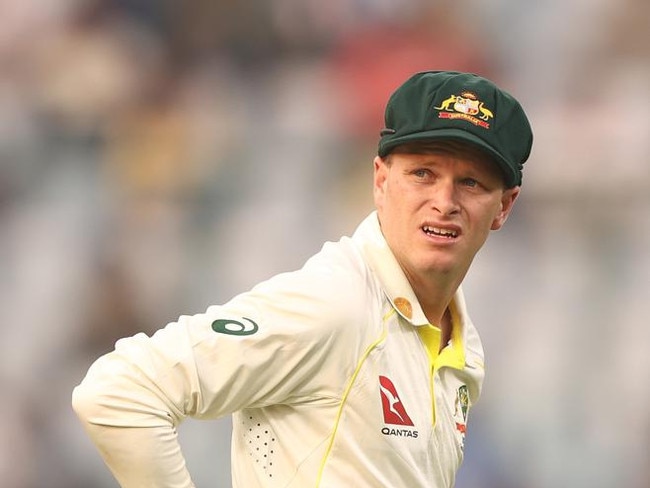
x,y
446,103
485,113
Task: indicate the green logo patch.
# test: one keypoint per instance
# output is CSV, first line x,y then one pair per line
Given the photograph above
x,y
234,327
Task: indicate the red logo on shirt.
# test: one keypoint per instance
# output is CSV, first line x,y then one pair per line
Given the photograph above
x,y
394,411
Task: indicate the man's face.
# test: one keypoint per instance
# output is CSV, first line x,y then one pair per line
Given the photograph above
x,y
436,210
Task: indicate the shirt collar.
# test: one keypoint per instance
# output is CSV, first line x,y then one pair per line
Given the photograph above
x,y
396,286
382,261
399,292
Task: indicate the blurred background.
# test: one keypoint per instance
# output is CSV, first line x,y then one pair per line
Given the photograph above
x,y
159,156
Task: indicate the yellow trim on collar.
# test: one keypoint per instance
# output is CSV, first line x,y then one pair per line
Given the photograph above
x,y
430,335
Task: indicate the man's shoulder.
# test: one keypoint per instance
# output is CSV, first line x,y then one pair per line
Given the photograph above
x,y
347,254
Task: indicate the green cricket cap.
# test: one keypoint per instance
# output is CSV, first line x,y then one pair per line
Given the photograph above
x,y
460,106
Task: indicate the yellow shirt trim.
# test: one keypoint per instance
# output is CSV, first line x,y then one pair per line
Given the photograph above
x,y
452,355
363,358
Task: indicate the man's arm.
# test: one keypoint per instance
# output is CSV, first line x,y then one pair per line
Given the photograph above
x,y
131,423
282,342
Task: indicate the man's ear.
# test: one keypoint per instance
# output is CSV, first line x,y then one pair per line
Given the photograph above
x,y
379,179
507,202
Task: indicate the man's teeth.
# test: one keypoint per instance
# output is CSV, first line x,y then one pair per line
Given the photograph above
x,y
440,232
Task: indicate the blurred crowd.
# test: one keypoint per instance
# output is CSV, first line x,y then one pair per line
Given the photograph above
x,y
159,156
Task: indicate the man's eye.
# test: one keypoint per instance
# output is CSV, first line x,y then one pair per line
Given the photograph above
x,y
421,173
471,182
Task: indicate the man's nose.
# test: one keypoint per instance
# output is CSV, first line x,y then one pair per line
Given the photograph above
x,y
444,198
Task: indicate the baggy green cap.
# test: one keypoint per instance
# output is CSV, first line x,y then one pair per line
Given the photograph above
x,y
461,106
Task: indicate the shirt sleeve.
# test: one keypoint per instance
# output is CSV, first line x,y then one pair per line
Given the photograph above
x,y
285,341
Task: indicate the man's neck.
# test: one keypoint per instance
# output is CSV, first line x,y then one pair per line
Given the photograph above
x,y
434,295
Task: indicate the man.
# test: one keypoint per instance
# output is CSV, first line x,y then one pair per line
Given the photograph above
x,y
359,369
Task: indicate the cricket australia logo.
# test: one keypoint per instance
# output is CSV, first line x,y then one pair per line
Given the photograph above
x,y
394,410
465,106
461,409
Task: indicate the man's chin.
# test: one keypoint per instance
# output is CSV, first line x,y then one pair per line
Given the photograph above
x,y
438,265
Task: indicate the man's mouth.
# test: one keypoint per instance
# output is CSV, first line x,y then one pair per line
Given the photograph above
x,y
440,232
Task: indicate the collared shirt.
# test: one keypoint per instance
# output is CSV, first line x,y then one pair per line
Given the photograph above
x,y
332,373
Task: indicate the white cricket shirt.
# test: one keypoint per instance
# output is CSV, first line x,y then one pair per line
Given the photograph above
x,y
325,370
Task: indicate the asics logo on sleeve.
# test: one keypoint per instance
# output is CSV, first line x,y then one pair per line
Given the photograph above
x,y
394,411
235,327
